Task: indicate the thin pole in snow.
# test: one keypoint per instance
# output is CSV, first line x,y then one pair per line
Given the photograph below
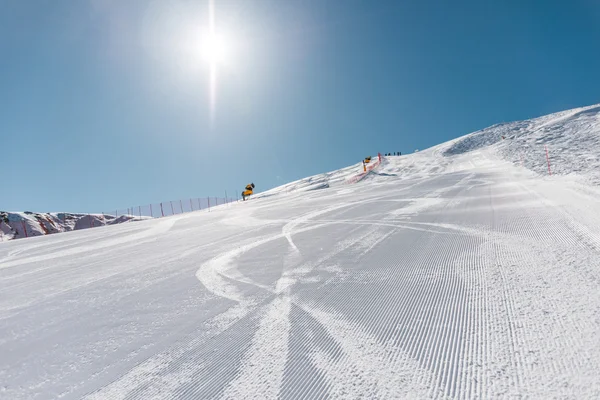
x,y
226,197
172,212
162,212
199,204
151,213
181,205
208,199
191,205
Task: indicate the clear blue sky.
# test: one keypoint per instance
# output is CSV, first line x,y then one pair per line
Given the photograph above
x,y
105,103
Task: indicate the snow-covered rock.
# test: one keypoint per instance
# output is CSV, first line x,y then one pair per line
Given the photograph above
x,y
18,225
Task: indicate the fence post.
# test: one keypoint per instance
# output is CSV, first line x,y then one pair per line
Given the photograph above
x,y
548,160
162,212
191,205
226,202
181,205
199,204
208,198
151,213
172,211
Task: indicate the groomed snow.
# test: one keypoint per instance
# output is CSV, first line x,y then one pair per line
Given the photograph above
x,y
450,273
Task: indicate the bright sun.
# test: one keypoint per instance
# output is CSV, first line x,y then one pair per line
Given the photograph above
x,y
214,49
213,45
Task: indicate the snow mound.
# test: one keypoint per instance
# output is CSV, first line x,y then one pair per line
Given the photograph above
x,y
316,182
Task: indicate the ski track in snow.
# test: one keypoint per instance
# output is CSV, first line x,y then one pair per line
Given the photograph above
x,y
261,370
363,371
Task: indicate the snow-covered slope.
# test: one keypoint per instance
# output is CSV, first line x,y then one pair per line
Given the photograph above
x,y
572,138
450,273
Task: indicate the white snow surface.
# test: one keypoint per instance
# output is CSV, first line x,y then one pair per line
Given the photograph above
x,y
455,272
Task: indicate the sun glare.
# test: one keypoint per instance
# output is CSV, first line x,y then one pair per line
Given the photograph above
x,y
214,49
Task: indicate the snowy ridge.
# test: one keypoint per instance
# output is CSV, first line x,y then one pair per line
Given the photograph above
x,y
17,225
